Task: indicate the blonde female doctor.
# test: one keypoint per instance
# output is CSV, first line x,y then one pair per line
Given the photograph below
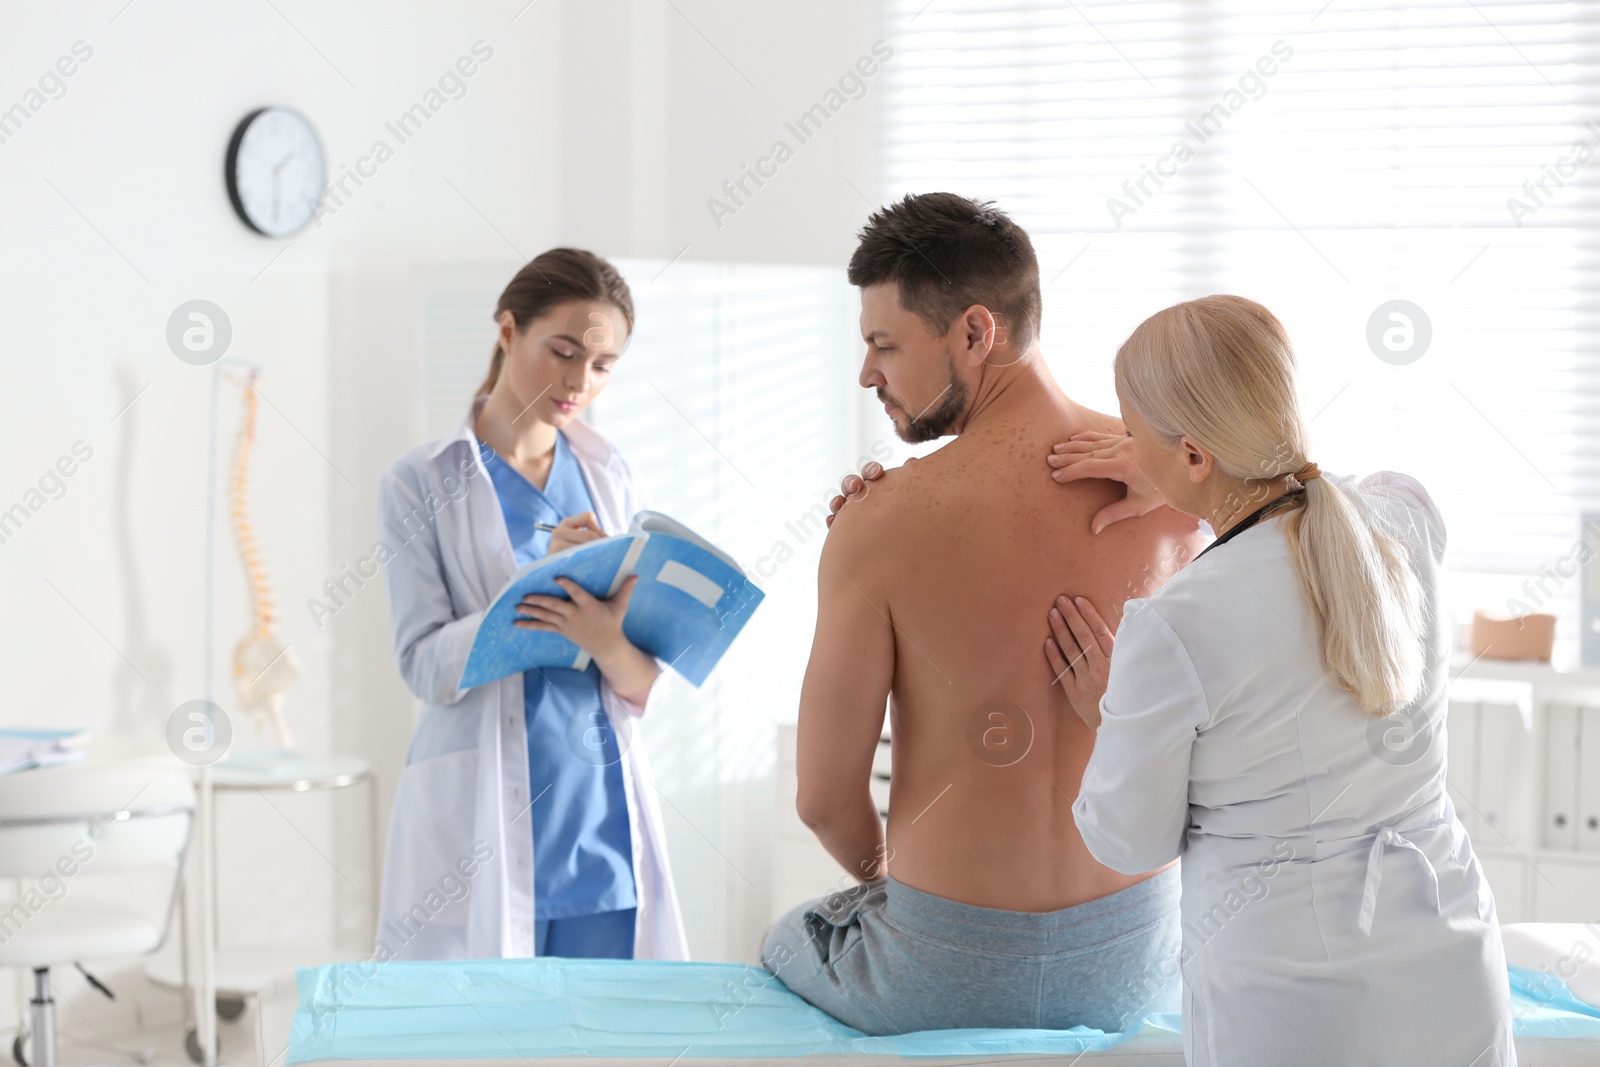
x,y
1274,714
525,823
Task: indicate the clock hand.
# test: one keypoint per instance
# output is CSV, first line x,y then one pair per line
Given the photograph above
x,y
276,213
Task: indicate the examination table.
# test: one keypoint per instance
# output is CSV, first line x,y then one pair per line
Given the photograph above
x,y
600,1012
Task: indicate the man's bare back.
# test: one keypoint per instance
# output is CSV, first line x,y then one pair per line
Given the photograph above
x,y
981,907
963,553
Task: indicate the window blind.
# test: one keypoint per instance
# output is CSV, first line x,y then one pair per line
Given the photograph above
x,y
731,410
1325,160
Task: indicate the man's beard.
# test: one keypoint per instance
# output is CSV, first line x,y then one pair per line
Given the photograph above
x,y
934,424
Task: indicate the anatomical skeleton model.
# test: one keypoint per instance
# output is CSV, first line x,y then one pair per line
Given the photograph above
x,y
263,666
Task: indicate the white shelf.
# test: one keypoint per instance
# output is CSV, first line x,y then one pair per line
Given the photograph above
x,y
1463,665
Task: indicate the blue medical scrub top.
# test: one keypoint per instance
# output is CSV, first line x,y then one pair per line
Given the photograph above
x,y
583,854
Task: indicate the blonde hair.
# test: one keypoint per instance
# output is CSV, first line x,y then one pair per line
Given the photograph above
x,y
1221,371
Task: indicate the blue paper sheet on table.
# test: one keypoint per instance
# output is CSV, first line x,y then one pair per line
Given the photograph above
x,y
553,1007
25,748
690,602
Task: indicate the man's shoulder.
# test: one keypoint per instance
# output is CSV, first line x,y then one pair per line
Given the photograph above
x,y
916,486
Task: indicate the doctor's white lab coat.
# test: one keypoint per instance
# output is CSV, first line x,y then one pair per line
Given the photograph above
x,y
1333,908
458,875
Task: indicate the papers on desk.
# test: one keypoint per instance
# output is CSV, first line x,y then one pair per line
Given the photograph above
x,y
22,749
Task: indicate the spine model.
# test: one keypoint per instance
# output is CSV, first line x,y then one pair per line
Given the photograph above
x,y
263,666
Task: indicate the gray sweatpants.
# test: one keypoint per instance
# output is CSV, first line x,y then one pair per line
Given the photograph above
x,y
888,959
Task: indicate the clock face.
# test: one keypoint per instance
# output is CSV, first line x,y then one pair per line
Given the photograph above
x,y
275,171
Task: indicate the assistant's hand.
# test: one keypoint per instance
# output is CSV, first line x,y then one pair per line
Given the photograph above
x,y
575,530
852,486
1095,454
593,624
1080,655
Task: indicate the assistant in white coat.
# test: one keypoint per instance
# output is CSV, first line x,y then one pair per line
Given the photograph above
x,y
460,867
458,877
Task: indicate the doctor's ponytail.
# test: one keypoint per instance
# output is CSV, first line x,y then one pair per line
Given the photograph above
x,y
556,277
1220,370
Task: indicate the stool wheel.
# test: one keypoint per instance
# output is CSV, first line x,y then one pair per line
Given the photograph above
x,y
191,1045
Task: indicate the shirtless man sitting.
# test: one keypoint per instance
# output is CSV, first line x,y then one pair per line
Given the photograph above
x,y
983,908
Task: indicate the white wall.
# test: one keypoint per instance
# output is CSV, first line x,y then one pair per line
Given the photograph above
x,y
708,90
604,124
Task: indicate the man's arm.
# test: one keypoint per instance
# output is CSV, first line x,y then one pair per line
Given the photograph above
x,y
843,699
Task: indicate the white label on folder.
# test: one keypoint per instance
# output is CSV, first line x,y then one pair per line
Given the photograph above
x,y
690,581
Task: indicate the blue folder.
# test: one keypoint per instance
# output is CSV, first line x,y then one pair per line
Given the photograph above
x,y
691,601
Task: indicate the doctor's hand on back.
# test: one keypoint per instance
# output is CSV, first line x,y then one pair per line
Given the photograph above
x,y
1079,648
1094,454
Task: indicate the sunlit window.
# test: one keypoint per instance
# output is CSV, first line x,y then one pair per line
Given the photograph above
x,y
1327,162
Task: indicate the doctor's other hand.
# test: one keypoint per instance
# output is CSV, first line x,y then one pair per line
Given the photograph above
x,y
1095,454
575,530
854,485
593,624
1080,655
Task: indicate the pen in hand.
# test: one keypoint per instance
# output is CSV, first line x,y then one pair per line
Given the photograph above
x,y
571,531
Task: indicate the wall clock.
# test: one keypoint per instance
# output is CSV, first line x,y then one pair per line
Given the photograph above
x,y
275,171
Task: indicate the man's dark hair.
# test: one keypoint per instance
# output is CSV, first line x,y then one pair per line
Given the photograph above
x,y
947,253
